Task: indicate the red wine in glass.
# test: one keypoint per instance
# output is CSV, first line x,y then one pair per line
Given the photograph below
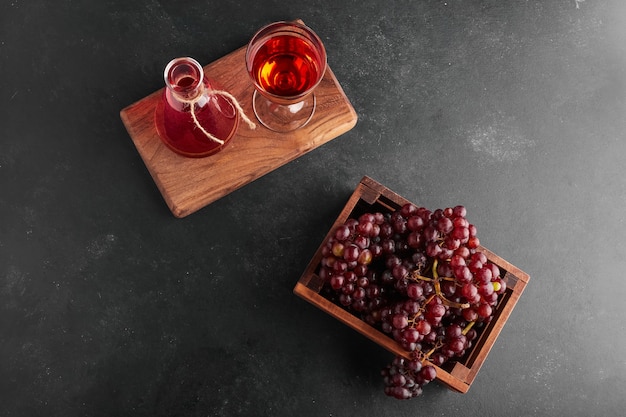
x,y
286,66
285,61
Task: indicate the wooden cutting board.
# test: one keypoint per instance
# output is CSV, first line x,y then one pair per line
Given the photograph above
x,y
188,184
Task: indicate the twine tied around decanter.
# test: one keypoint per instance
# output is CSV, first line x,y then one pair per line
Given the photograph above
x,y
234,103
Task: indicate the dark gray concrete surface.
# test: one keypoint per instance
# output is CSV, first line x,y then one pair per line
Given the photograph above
x,y
109,306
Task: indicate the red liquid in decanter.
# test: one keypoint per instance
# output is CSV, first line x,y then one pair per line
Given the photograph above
x,y
193,133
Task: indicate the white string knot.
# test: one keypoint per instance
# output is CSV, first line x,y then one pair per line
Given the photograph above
x,y
233,102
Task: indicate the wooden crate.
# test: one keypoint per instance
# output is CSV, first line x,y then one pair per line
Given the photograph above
x,y
371,196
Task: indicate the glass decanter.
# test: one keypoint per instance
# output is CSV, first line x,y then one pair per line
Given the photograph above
x,y
194,118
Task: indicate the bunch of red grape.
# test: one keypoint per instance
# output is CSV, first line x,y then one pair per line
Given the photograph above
x,y
419,276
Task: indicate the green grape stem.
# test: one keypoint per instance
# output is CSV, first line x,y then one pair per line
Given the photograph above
x,y
421,310
426,356
468,327
436,280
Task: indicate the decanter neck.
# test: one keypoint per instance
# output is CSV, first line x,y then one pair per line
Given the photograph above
x,y
184,77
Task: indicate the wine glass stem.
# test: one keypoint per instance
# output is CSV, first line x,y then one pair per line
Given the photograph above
x,y
283,118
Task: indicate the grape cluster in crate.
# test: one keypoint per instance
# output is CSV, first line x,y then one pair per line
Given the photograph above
x,y
419,276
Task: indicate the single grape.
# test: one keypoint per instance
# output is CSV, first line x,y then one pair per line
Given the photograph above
x,y
324,274
345,300
452,243
372,291
408,209
340,266
400,321
411,307
423,327
411,335
484,311
415,223
351,253
460,211
485,290
363,242
436,310
386,230
479,256
473,242
483,275
433,249
336,282
501,286
400,272
463,251
495,271
453,331
414,240
461,233
365,228
469,291
347,288
342,233
445,225
367,217
463,274
337,249
376,250
350,276
429,373
430,233
358,293
388,246
414,291
365,257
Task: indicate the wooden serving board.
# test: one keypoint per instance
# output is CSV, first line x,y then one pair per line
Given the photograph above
x,y
188,184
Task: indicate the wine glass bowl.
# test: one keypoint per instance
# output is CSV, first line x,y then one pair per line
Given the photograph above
x,y
286,61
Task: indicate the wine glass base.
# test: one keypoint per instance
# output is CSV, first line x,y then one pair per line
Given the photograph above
x,y
283,118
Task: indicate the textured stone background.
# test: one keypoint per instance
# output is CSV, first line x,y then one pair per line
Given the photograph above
x,y
109,306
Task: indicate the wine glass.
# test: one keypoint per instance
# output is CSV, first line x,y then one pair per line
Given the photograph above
x,y
286,61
